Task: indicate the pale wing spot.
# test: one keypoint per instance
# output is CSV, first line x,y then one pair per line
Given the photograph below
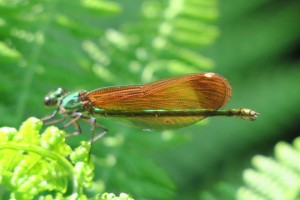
x,y
209,75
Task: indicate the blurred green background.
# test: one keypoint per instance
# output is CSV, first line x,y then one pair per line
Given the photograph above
x,y
90,44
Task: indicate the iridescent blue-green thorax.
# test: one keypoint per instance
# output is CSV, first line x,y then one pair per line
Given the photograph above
x,y
67,102
71,102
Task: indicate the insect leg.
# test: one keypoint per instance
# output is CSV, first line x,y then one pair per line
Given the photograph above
x,y
50,116
55,121
76,116
93,122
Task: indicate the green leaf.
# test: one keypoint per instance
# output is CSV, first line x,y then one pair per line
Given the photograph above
x,y
274,178
7,53
31,164
111,196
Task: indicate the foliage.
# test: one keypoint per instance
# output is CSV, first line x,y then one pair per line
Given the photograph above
x,y
88,44
274,178
111,196
32,163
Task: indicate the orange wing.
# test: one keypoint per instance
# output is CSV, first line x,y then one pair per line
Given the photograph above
x,y
194,91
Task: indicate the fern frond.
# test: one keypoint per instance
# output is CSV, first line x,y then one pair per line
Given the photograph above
x,y
45,36
174,28
8,54
31,164
274,178
165,38
111,196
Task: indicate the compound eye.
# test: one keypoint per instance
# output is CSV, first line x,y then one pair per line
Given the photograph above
x,y
50,101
